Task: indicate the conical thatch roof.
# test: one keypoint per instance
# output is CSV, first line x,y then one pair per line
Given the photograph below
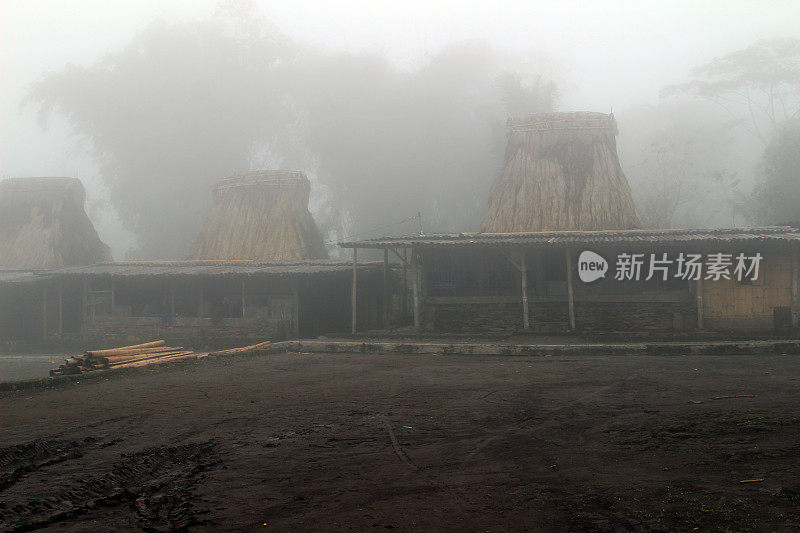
x,y
561,172
261,216
43,224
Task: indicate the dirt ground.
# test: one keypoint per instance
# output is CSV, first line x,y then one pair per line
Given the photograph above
x,y
410,442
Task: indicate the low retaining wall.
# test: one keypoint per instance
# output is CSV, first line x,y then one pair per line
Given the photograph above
x,y
554,316
466,348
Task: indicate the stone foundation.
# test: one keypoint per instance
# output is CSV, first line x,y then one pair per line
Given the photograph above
x,y
554,316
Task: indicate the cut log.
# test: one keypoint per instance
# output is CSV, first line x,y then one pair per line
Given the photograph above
x,y
145,357
243,349
127,350
156,360
139,353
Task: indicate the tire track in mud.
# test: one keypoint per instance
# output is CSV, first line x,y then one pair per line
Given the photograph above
x,y
16,461
158,482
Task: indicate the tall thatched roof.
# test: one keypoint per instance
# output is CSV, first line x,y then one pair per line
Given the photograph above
x,y
261,216
561,172
43,224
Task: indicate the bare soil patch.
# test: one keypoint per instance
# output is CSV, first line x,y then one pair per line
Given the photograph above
x,y
410,442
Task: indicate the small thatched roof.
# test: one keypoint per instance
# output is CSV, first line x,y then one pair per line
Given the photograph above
x,y
43,224
261,216
561,172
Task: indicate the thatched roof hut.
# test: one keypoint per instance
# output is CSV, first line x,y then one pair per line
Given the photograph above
x,y
561,172
43,224
261,216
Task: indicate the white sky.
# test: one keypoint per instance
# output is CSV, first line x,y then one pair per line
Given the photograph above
x,y
610,53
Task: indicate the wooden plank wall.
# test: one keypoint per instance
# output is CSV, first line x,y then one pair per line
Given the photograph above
x,y
733,299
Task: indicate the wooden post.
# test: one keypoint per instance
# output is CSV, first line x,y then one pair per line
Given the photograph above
x,y
794,288
354,293
93,305
113,296
386,299
524,273
243,299
570,297
44,311
85,304
171,302
699,296
404,294
296,310
415,281
201,311
60,307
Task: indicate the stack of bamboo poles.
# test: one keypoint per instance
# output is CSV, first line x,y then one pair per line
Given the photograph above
x,y
125,356
137,355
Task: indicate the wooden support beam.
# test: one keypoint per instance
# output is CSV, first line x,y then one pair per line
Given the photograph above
x,y
44,311
403,259
522,267
60,307
85,304
511,259
171,303
570,295
794,288
415,281
526,325
699,297
296,309
243,299
93,305
404,293
353,293
386,297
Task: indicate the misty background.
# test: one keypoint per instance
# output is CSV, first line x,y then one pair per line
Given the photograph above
x,y
393,108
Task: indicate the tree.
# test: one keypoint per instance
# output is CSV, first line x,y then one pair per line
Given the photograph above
x,y
388,143
520,98
186,104
678,158
759,85
181,106
777,196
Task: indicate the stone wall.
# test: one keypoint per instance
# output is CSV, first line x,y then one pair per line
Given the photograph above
x,y
636,316
554,316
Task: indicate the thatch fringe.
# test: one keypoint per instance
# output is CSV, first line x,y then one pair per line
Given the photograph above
x,y
561,172
43,224
261,216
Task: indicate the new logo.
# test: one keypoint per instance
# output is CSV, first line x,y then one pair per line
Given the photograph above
x,y
591,266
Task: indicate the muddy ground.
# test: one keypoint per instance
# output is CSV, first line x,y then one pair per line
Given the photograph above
x,y
411,443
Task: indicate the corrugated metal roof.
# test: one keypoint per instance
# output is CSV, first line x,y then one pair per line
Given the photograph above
x,y
17,276
588,238
208,268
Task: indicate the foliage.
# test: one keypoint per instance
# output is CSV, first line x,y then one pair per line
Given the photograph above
x,y
678,158
760,85
186,104
777,196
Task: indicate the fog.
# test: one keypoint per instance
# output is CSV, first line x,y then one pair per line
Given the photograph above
x,y
390,109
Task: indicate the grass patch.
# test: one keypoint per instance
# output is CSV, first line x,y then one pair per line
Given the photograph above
x,y
681,509
704,426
